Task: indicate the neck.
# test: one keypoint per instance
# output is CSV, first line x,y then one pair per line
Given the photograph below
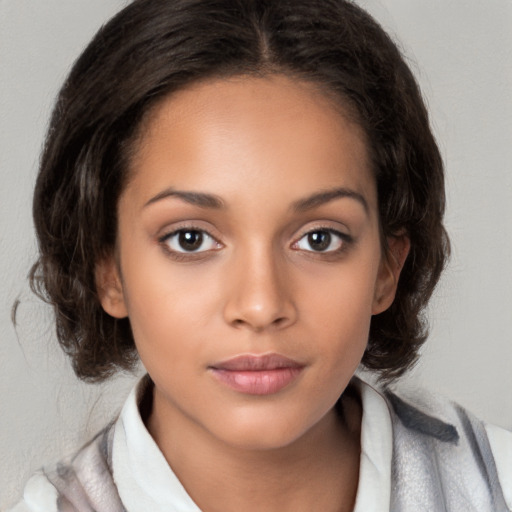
x,y
318,471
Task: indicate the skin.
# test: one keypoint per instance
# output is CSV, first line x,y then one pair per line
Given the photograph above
x,y
256,285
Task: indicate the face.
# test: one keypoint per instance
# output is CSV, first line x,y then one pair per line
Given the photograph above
x,y
249,258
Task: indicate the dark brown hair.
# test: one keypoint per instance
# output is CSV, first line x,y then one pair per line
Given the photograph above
x,y
155,47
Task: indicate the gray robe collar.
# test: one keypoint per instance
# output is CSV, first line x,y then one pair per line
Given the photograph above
x,y
442,462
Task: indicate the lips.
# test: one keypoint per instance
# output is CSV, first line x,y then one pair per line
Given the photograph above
x,y
257,374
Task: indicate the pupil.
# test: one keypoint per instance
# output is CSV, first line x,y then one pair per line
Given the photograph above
x,y
319,240
190,240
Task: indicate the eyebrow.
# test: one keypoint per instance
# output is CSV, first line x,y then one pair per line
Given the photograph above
x,y
326,196
196,198
204,200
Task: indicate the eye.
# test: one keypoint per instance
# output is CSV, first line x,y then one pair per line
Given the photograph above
x,y
322,240
189,241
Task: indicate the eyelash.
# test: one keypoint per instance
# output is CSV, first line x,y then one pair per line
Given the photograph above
x,y
183,255
344,241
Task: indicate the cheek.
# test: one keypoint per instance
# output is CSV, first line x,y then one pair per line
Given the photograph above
x,y
344,295
338,307
170,308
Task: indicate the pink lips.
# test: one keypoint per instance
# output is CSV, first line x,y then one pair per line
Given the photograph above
x,y
257,375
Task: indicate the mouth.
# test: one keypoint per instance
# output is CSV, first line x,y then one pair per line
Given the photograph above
x,y
257,374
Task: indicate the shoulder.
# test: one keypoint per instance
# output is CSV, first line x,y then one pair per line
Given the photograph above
x,y
39,495
443,449
86,481
83,483
500,440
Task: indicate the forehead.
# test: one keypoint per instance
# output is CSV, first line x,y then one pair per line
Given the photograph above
x,y
227,134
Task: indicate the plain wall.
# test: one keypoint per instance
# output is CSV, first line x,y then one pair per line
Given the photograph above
x,y
461,52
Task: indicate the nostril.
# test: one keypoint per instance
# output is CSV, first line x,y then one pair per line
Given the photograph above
x,y
278,322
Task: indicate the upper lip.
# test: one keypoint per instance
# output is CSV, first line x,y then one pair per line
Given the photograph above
x,y
250,362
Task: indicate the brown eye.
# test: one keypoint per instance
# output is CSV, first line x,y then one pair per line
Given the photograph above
x,y
189,240
322,240
319,240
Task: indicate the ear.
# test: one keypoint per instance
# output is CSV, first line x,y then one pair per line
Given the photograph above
x,y
391,265
110,288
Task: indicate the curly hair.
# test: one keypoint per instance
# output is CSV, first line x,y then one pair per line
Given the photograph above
x,y
151,49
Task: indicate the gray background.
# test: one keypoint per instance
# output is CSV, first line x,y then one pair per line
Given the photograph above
x,y
461,52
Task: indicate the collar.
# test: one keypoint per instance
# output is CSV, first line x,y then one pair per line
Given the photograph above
x,y
145,480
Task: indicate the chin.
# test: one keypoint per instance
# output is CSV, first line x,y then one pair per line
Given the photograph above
x,y
263,432
259,441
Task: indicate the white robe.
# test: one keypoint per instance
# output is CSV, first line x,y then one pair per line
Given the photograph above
x,y
430,456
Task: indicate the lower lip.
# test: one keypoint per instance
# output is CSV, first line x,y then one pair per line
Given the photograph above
x,y
262,382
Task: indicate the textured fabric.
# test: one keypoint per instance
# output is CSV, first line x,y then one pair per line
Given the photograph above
x,y
374,487
442,464
144,479
39,496
501,445
86,485
431,456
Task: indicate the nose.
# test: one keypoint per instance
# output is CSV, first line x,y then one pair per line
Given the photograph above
x,y
260,293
